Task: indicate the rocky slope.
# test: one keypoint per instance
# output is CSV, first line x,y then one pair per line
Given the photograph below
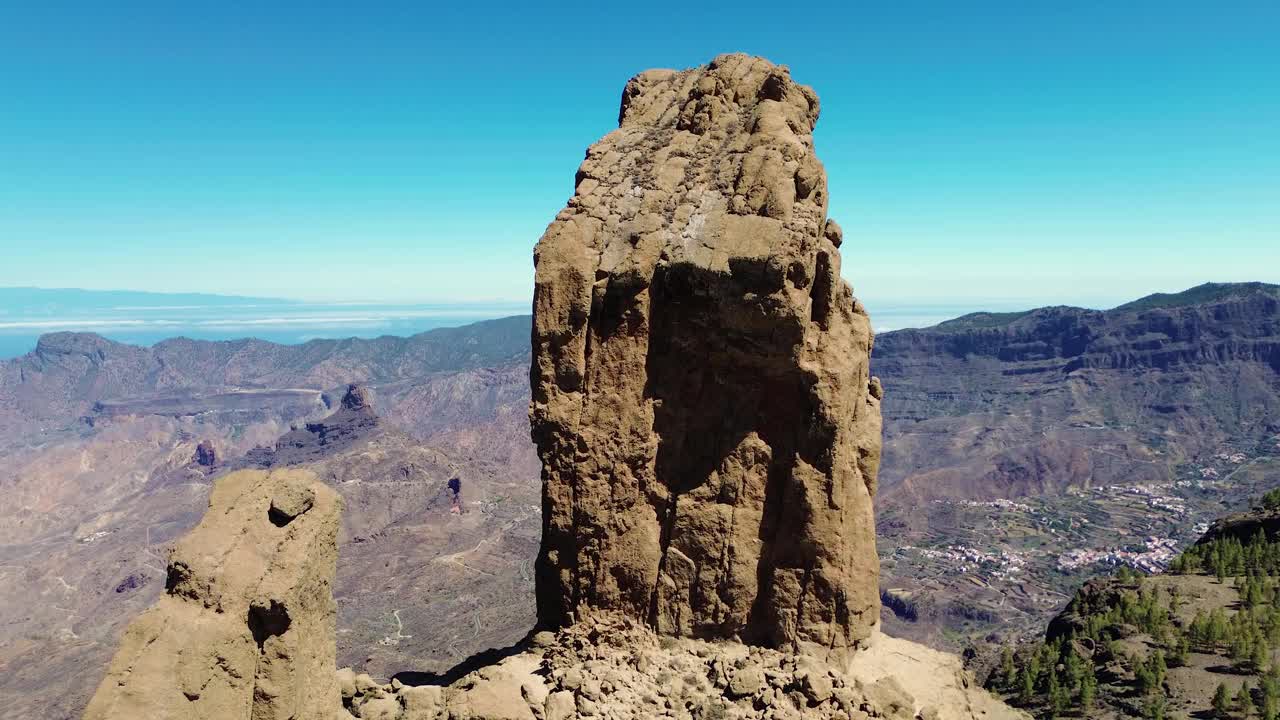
x,y
1021,448
702,405
245,629
1084,392
1200,640
94,504
612,667
94,507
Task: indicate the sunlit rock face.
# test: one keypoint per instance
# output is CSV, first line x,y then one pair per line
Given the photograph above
x,y
708,428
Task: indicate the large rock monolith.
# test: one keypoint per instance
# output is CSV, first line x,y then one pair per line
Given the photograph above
x,y
708,428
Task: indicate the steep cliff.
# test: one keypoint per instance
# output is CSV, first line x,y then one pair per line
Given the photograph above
x,y
702,405
1171,401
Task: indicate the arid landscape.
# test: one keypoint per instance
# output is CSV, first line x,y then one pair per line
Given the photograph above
x,y
105,469
1026,453
515,361
982,535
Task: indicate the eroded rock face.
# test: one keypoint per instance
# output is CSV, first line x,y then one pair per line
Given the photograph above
x,y
708,428
246,626
357,397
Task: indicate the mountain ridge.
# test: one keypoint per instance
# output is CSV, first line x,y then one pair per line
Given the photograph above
x,y
1204,293
1139,420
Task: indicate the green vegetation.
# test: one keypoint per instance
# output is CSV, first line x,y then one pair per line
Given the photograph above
x,y
1228,557
1271,500
1208,292
982,320
1127,633
1222,701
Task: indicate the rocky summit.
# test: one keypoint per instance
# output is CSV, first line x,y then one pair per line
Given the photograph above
x,y
701,401
246,626
709,435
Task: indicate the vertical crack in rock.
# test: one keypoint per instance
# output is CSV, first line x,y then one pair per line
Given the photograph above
x,y
692,333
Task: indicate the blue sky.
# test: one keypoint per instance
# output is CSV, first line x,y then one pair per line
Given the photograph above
x,y
978,152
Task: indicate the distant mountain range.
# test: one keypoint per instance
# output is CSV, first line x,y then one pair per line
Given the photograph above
x,y
140,318
107,451
1040,372
1002,434
1014,439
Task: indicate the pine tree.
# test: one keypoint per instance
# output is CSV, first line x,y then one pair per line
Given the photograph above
x,y
1218,627
1057,696
1267,707
1142,675
1088,691
1181,651
1198,630
1244,701
1221,701
1073,669
1009,671
1027,689
1154,708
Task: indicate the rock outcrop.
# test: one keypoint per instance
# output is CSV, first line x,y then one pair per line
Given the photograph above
x,y
206,455
610,666
708,428
710,439
1244,526
354,420
246,626
357,398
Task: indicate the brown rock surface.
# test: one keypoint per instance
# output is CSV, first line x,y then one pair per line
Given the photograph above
x,y
610,666
701,397
246,626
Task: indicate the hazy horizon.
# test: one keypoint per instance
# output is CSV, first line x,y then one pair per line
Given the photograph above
x,y
145,317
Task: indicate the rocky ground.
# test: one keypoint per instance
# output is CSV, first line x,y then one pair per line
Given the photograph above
x,y
615,669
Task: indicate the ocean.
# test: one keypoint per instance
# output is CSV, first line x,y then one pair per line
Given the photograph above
x,y
289,323
143,319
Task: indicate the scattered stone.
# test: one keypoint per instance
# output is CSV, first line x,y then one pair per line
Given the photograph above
x,y
746,682
560,705
380,708
347,683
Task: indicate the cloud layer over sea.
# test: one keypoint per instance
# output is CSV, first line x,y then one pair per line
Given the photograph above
x,y
142,319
